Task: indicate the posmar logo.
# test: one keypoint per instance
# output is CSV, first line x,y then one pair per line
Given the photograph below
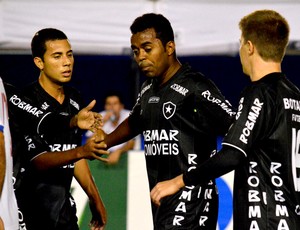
x,y
169,109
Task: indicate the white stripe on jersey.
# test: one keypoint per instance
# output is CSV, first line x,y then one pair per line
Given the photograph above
x,y
234,146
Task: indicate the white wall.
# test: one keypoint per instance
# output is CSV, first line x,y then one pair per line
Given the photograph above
x,y
102,26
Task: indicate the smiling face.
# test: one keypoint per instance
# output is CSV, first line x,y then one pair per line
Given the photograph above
x,y
57,63
149,53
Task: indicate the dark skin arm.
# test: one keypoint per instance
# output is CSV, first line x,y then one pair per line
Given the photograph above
x,y
124,132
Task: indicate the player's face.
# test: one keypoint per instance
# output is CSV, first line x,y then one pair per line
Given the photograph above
x,y
58,62
112,103
149,53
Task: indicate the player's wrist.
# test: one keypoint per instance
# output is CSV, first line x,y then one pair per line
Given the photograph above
x,y
74,121
179,181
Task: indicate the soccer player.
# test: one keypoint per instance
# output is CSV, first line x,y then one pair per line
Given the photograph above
x,y
263,143
180,114
53,158
22,109
8,203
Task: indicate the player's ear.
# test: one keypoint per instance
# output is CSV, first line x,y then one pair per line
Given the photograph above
x,y
170,47
38,62
251,47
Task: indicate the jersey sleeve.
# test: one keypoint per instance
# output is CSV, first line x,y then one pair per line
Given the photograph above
x,y
253,120
216,108
226,160
35,146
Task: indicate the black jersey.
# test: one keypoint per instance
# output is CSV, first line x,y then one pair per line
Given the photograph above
x,y
180,122
267,132
27,118
44,196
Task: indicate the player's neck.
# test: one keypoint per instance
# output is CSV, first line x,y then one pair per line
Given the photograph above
x,y
53,89
170,72
262,69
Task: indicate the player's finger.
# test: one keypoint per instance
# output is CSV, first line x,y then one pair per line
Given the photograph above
x,y
97,116
155,196
101,146
91,105
101,152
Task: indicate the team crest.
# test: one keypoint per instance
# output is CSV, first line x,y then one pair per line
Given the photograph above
x,y
169,109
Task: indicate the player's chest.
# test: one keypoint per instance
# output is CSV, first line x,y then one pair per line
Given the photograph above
x,y
165,104
68,107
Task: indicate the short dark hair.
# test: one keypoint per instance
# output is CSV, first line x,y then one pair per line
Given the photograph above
x,y
38,42
158,22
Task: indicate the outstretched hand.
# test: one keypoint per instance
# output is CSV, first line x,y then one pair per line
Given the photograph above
x,y
166,188
89,120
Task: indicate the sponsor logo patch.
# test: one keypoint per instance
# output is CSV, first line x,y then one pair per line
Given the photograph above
x,y
153,100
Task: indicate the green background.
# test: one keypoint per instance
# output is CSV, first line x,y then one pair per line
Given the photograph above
x,y
112,185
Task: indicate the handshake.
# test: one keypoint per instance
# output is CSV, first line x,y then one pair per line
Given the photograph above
x,y
95,147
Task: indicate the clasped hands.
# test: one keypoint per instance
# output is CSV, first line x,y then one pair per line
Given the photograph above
x,y
86,119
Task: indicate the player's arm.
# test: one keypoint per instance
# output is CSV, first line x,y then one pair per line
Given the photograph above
x,y
124,132
42,158
2,160
226,160
218,111
84,177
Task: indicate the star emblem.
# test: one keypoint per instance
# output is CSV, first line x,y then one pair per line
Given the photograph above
x,y
169,109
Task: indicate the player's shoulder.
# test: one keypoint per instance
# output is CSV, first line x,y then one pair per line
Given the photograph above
x,y
197,81
10,89
31,89
273,85
195,78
